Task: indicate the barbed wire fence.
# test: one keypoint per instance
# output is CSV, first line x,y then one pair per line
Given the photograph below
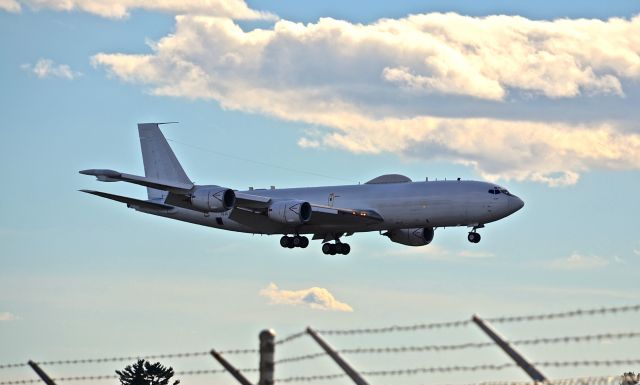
x,y
393,350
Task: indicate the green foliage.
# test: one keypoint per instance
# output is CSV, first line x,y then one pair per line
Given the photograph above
x,y
146,373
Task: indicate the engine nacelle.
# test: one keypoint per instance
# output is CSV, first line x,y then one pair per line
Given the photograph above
x,y
411,237
290,212
213,199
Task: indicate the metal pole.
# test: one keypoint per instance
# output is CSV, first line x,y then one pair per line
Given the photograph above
x,y
234,372
267,353
355,376
510,350
47,380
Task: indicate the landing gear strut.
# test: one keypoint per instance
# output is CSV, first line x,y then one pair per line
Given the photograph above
x,y
295,241
336,248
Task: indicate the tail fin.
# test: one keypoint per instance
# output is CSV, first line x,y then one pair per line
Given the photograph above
x,y
159,160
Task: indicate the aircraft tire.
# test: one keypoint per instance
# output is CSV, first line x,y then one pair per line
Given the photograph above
x,y
297,241
473,237
326,248
345,249
304,242
332,249
284,241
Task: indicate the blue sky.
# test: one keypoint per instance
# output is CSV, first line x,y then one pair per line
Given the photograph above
x,y
326,102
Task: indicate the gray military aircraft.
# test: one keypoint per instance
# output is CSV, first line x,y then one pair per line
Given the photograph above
x,y
407,212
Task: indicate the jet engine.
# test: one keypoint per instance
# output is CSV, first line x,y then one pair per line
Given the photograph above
x,y
290,212
411,237
213,199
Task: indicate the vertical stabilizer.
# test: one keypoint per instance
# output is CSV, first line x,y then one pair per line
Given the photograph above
x,y
159,160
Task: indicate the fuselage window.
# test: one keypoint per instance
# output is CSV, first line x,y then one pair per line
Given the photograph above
x,y
494,191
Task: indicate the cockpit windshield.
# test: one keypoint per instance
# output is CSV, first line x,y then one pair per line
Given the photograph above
x,y
497,190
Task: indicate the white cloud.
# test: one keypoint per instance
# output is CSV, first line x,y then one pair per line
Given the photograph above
x,y
359,83
46,68
315,298
10,6
578,261
6,316
118,9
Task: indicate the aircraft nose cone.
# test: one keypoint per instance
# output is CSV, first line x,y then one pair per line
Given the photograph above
x,y
516,204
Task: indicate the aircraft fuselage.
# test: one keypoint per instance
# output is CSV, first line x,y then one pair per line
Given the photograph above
x,y
402,205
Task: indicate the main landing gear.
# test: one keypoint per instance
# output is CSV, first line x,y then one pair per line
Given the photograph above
x,y
327,248
336,248
296,241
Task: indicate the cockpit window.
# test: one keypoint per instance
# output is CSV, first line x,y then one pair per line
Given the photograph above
x,y
497,191
506,192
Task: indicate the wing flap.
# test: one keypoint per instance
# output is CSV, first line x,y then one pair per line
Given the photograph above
x,y
351,215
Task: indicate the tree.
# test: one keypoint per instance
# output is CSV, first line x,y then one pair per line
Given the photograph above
x,y
630,379
145,373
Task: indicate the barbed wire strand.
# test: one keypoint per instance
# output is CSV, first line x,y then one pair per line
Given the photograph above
x,y
454,324
131,358
113,376
290,338
595,380
462,368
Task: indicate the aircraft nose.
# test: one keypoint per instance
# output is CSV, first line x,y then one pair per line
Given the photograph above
x,y
516,203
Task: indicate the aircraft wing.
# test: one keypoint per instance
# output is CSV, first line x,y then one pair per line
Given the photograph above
x,y
115,176
251,209
321,214
252,202
131,201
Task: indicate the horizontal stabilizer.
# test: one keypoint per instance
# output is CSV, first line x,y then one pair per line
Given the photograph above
x,y
159,184
131,202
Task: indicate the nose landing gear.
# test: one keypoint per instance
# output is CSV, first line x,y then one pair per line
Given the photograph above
x,y
473,237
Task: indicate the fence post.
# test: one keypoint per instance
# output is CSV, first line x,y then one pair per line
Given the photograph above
x,y
355,376
234,372
267,356
510,350
47,380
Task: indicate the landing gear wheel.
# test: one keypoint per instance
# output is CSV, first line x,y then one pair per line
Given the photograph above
x,y
297,241
284,241
304,242
474,237
336,248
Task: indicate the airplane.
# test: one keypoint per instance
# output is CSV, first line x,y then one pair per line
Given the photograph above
x,y
406,212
